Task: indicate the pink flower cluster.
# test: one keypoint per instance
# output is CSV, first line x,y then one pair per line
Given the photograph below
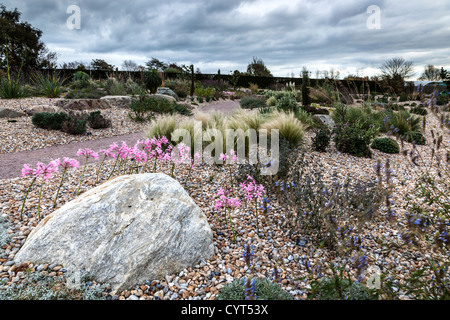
x,y
42,170
252,190
231,155
225,201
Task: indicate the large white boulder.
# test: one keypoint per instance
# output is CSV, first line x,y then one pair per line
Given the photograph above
x,y
125,231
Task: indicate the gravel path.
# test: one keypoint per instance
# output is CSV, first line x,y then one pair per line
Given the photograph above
x,y
12,163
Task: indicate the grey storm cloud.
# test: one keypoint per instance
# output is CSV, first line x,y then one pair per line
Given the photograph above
x,y
213,34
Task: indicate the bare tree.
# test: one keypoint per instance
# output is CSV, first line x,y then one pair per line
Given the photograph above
x,y
431,73
395,71
130,66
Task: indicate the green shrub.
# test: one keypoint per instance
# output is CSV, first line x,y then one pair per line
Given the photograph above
x,y
403,122
182,88
420,110
10,89
322,139
386,145
50,85
252,102
354,139
43,287
403,97
287,104
415,137
96,120
152,80
264,290
148,105
81,80
442,100
327,289
47,120
115,87
272,101
86,93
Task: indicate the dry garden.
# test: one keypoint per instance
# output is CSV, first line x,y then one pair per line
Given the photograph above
x,y
358,210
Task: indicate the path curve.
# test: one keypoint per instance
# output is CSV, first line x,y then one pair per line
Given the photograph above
x,y
11,164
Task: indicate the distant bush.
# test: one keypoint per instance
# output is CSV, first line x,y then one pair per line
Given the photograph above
x,y
86,93
386,145
420,110
415,137
50,121
152,80
346,289
287,104
81,80
354,139
322,139
403,97
252,102
442,100
144,107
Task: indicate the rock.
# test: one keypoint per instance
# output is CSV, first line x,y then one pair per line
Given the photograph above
x,y
163,96
83,104
325,120
168,92
43,108
124,232
8,113
123,102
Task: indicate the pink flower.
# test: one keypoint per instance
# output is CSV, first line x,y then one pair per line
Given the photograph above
x,y
46,171
252,190
88,153
68,163
224,201
26,170
108,152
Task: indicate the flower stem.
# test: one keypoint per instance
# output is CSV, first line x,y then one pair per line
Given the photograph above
x,y
26,195
114,168
39,202
60,184
257,220
98,170
231,224
82,175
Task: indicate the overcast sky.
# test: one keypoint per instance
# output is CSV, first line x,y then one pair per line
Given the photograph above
x,y
227,34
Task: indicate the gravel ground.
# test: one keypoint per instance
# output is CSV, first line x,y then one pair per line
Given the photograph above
x,y
273,248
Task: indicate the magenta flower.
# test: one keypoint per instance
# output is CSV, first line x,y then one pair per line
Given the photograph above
x,y
45,172
253,192
88,153
227,203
